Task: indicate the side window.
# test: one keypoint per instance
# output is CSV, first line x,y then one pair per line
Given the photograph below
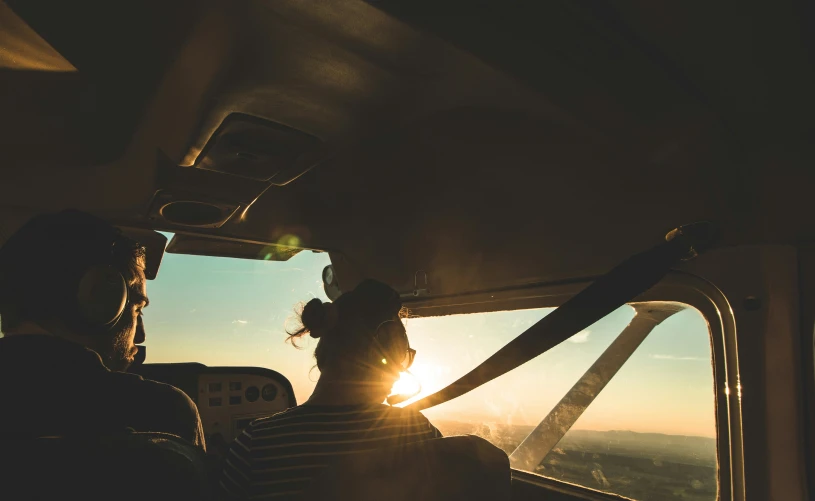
x,y
649,434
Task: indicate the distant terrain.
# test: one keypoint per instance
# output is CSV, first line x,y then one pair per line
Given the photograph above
x,y
642,466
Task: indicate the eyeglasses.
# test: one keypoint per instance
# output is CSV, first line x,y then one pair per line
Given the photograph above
x,y
386,335
409,356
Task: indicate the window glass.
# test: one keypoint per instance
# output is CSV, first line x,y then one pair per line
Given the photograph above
x,y
505,409
233,312
650,433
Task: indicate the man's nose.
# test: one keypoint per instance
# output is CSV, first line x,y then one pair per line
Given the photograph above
x,y
140,335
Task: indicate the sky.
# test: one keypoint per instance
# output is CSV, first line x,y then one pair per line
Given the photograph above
x,y
233,312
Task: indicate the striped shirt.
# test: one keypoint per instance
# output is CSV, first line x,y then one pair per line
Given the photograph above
x,y
276,457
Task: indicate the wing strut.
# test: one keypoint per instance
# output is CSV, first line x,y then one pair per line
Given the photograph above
x,y
554,426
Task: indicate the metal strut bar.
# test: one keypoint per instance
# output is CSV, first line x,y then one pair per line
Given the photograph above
x,y
554,426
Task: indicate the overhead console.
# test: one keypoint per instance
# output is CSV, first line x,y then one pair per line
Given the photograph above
x,y
228,398
255,148
242,159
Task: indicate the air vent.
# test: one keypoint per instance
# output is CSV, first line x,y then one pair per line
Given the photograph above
x,y
192,213
191,209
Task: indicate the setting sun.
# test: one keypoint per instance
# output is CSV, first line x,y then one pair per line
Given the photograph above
x,y
407,384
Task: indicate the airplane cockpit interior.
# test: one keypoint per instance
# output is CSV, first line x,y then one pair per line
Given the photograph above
x,y
595,219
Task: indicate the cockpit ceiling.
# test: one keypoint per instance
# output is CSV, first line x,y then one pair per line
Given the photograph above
x,y
486,143
23,49
346,72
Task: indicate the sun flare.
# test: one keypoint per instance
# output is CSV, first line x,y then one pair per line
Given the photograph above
x,y
407,384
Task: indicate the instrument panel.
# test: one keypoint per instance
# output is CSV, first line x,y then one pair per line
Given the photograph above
x,y
228,398
228,402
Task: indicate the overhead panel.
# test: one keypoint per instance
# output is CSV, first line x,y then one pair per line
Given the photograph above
x,y
255,148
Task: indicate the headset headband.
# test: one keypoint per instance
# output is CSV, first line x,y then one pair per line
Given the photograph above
x,y
64,265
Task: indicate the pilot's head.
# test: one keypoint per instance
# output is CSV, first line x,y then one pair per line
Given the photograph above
x,y
362,339
75,276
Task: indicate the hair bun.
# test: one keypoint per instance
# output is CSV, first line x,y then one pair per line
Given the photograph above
x,y
318,317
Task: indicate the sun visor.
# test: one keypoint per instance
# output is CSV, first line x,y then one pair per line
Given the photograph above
x,y
206,246
154,244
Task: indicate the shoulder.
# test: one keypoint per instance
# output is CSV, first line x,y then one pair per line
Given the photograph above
x,y
160,397
172,395
152,390
291,412
406,413
354,416
314,415
415,418
159,406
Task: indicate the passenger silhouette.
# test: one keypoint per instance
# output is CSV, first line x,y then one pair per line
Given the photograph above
x,y
72,291
362,348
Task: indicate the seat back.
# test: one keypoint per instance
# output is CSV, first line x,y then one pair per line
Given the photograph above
x,y
454,468
117,467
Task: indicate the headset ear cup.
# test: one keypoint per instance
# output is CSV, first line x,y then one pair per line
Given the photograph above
x,y
390,346
397,344
102,295
381,359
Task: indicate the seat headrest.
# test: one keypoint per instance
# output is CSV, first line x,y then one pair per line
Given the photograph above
x,y
453,468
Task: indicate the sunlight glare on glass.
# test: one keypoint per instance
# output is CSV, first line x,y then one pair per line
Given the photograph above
x,y
406,384
289,240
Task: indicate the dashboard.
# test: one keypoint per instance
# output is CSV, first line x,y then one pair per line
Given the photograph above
x,y
228,398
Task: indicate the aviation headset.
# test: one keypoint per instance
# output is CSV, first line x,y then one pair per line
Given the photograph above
x,y
81,286
102,296
388,334
395,360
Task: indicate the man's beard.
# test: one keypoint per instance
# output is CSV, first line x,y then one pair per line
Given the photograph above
x,y
120,354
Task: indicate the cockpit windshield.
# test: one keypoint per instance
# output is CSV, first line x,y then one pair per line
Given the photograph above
x,y
655,418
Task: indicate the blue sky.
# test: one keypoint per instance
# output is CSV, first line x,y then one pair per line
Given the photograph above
x,y
232,312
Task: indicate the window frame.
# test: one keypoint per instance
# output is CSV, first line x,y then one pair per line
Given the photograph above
x,y
677,286
806,281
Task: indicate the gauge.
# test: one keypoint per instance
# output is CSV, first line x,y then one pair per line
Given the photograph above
x,y
252,394
269,392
